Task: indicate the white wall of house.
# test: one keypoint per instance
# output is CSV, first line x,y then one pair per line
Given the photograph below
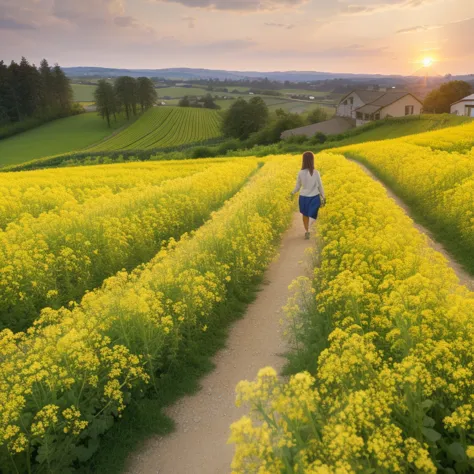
x,y
463,108
348,109
397,109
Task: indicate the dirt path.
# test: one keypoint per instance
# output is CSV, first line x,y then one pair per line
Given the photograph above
x,y
199,444
464,277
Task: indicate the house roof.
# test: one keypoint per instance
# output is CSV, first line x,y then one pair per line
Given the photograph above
x,y
378,98
329,127
369,109
368,96
466,99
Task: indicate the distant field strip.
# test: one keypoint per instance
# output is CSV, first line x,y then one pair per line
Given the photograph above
x,y
164,127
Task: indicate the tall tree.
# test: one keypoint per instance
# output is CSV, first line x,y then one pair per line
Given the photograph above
x,y
439,100
126,93
185,102
105,100
29,88
7,95
208,102
62,89
15,90
244,118
48,101
146,92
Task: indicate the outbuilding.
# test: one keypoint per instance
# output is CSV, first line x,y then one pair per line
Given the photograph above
x,y
464,106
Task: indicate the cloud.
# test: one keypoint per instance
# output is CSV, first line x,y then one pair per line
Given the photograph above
x,y
131,22
84,10
358,9
280,25
418,28
239,5
191,21
11,24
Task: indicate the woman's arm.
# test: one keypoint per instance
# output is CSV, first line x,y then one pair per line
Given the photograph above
x,y
298,185
321,187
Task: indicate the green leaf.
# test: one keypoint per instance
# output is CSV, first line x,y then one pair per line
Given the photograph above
x,y
428,422
83,453
427,404
430,434
457,452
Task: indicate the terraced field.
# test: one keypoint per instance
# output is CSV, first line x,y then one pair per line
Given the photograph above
x,y
165,127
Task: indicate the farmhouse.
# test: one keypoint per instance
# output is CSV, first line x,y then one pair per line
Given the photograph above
x,y
464,106
367,106
360,107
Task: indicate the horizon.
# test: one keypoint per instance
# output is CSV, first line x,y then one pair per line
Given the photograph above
x,y
262,71
386,37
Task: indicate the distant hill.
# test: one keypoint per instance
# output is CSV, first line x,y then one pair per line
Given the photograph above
x,y
196,74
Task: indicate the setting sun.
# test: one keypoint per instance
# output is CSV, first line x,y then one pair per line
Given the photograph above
x,y
427,62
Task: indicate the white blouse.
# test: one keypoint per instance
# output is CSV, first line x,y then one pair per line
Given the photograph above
x,y
308,185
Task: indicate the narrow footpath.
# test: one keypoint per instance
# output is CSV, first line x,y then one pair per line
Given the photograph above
x,y
199,444
464,277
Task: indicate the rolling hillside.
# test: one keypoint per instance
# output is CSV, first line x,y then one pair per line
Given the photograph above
x,y
165,127
60,136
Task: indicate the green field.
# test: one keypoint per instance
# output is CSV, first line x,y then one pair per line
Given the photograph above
x,y
165,127
304,92
83,92
60,136
179,92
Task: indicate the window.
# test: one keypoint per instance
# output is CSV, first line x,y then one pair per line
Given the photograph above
x,y
345,102
409,109
351,100
359,115
470,110
366,117
377,116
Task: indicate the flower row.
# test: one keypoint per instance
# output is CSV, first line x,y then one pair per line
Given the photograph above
x,y
386,332
53,259
65,380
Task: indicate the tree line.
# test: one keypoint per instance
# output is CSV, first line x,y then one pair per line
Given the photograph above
x,y
206,102
252,123
30,95
439,101
125,96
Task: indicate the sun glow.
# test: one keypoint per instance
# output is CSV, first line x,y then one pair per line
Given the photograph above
x,y
427,62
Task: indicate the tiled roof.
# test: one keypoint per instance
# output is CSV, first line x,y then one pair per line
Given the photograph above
x,y
378,98
388,98
369,96
368,109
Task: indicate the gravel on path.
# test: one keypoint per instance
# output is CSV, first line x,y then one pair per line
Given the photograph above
x,y
199,444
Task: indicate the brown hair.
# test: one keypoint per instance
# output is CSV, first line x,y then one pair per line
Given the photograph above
x,y
308,162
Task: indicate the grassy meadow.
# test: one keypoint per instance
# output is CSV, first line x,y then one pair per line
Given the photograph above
x,y
83,92
60,136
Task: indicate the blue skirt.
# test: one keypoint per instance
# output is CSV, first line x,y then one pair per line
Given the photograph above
x,y
309,206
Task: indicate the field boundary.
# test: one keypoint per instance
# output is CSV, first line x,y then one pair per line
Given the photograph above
x,y
438,240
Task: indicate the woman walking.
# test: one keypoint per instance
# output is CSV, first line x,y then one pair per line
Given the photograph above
x,y
311,190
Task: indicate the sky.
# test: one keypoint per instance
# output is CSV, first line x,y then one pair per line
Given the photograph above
x,y
358,36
